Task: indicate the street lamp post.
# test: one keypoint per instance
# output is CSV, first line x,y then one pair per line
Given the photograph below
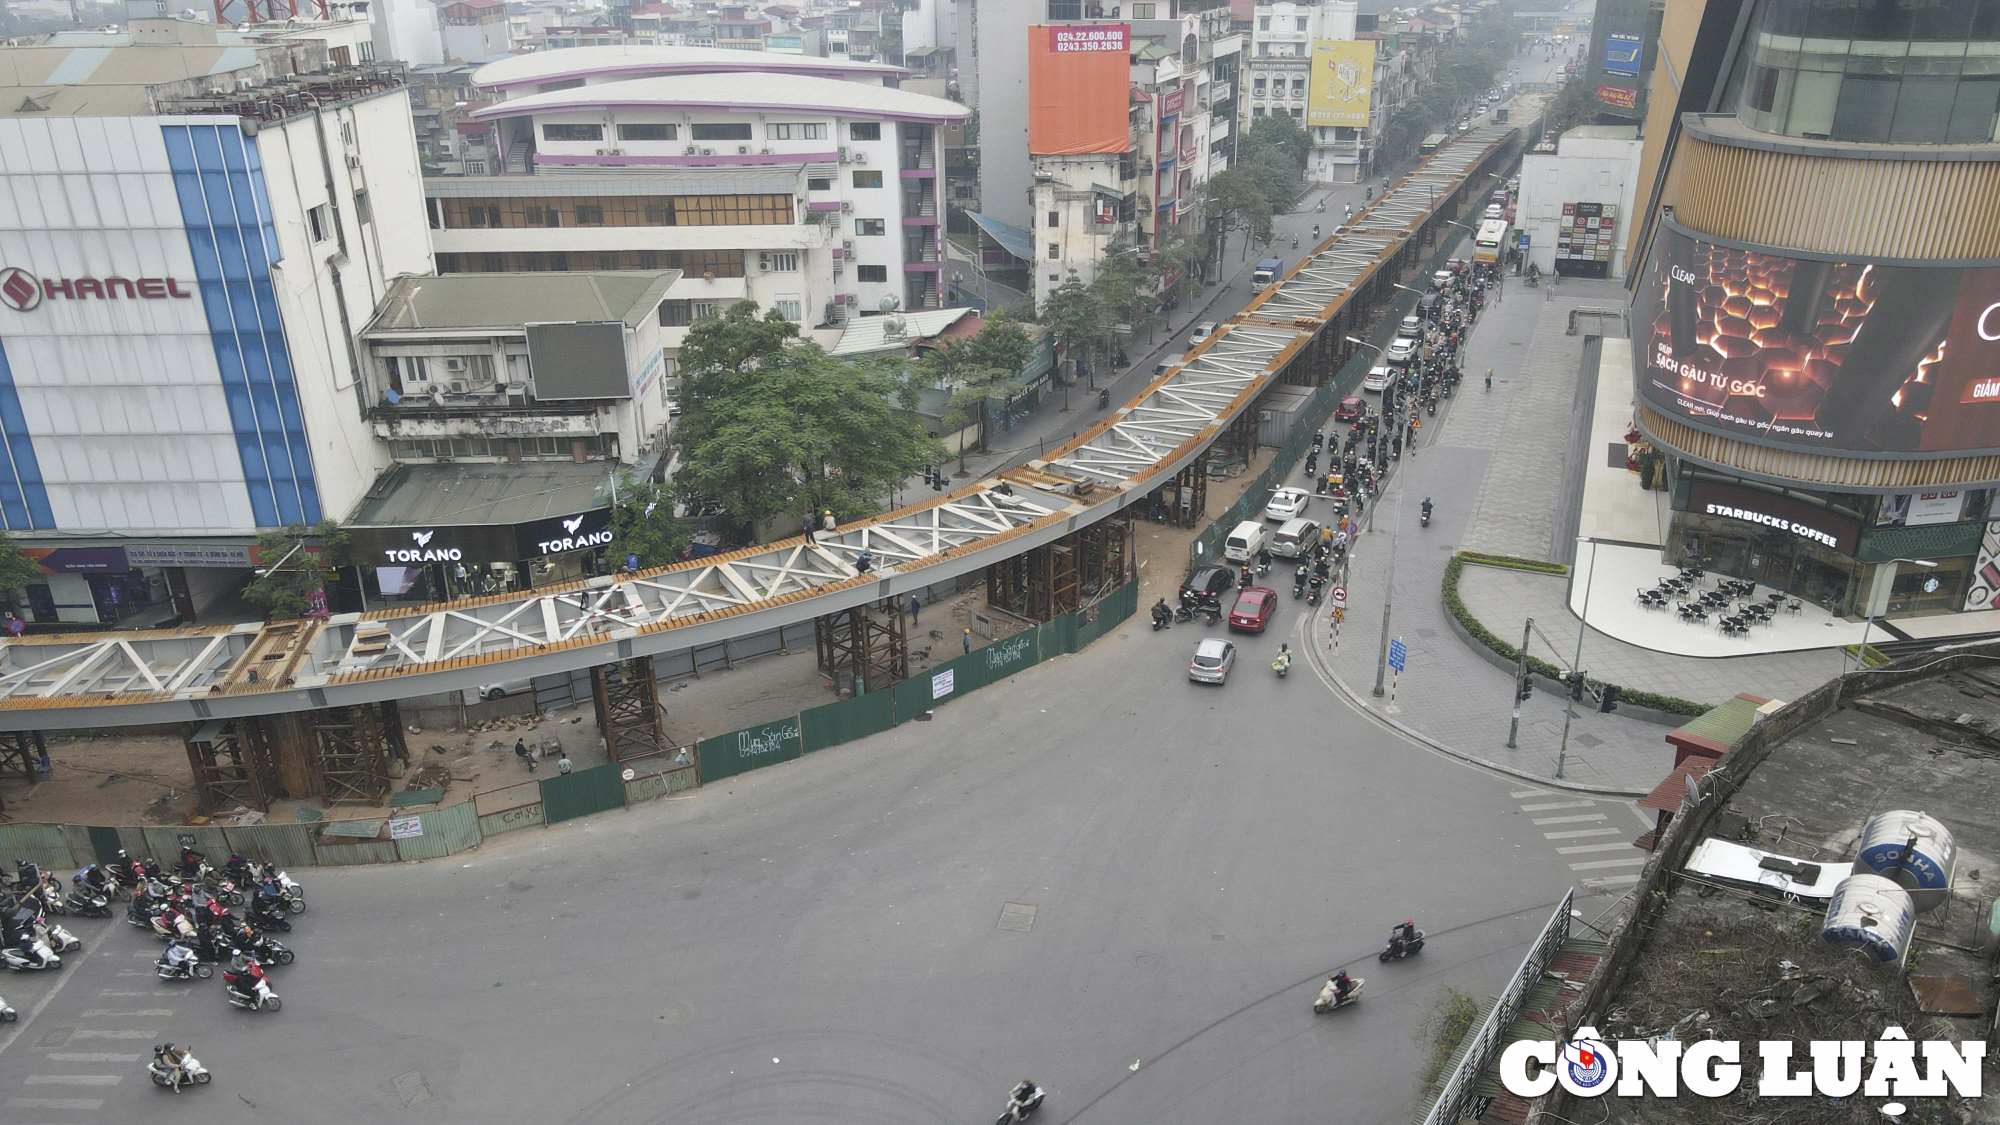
x,y
1878,604
1576,662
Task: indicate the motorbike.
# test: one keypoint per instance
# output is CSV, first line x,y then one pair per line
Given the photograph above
x,y
1282,664
1184,614
1395,951
1328,1000
7,1014
47,895
269,920
1426,518
1263,567
1243,576
176,927
191,1071
1162,618
1312,592
1027,1108
1103,397
1322,206
89,904
259,996
1295,242
1431,406
31,953
269,951
58,939
1299,583
180,963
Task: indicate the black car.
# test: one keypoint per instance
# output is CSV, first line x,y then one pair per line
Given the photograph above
x,y
1207,585
1430,305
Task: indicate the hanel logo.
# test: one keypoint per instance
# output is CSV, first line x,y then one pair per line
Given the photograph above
x,y
23,291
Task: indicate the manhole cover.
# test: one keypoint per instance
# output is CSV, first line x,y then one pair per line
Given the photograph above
x,y
1145,960
1587,740
1017,916
410,1088
1427,632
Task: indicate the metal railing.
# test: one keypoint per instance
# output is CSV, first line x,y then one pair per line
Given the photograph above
x,y
1456,1087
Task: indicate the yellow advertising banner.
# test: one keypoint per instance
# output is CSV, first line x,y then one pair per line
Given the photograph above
x,y
1343,82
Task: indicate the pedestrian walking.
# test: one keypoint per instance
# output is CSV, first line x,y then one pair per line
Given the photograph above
x,y
968,638
810,526
915,605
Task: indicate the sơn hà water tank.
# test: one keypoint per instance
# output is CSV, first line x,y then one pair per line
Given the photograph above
x,y
1927,870
1872,914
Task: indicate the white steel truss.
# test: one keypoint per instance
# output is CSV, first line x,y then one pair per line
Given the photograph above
x,y
1323,282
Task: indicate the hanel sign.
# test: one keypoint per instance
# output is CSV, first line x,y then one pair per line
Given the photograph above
x,y
23,291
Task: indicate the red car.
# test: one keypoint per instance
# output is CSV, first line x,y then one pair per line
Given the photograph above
x,y
1348,410
1252,610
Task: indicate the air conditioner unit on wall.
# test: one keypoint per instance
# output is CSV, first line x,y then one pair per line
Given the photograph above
x,y
742,150
844,157
708,152
454,363
847,246
847,206
861,158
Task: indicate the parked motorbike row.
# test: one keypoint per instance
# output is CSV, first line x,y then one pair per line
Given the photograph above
x,y
209,917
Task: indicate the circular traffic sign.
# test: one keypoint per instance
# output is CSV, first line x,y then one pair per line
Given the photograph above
x,y
15,625
629,773
1338,595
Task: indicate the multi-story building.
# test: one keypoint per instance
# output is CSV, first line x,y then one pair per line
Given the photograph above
x,y
178,364
820,199
474,29
1815,305
1278,67
1181,118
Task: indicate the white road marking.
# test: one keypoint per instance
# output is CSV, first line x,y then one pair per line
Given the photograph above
x,y
54,1103
92,1057
136,1013
1520,793
1612,881
29,1018
1574,833
1591,848
73,1080
1559,805
1602,863
88,1034
1570,819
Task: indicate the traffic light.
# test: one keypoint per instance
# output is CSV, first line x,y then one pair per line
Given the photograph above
x,y
1610,700
934,476
1576,684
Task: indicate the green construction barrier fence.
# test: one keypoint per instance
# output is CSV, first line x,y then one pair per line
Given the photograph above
x,y
726,755
847,720
567,796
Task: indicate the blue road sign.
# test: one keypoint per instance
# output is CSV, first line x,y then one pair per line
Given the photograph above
x,y
1396,654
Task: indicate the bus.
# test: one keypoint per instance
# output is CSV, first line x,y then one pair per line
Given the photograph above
x,y
1431,143
1489,243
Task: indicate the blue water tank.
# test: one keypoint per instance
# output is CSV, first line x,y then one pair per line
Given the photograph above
x,y
1926,872
1872,914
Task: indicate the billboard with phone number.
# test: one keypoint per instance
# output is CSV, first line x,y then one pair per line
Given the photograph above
x,y
1078,84
1817,353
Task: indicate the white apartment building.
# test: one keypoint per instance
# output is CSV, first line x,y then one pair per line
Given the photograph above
x,y
1277,77
817,196
184,264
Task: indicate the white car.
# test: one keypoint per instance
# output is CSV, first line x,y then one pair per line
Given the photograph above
x,y
1402,349
1377,379
504,688
1441,278
1410,325
1201,332
1213,658
1286,504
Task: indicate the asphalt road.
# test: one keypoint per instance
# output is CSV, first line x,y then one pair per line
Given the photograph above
x,y
822,941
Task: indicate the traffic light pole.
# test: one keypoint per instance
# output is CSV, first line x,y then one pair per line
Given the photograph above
x,y
1576,665
1520,682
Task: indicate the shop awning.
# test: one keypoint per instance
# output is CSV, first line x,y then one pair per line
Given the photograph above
x,y
1113,192
484,493
1017,241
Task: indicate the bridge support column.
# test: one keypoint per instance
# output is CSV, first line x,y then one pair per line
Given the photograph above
x,y
868,643
352,747
628,709
20,750
1054,579
232,764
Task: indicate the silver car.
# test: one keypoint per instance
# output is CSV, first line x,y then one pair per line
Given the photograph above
x,y
1212,660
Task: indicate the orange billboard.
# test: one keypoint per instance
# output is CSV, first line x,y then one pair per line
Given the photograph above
x,y
1079,78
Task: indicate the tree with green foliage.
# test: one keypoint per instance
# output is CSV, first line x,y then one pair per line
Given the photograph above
x,y
797,431
643,524
722,355
1234,200
292,572
976,370
1277,134
1177,253
1074,315
17,571
1575,104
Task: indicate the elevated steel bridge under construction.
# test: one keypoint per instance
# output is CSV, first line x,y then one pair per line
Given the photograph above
x,y
336,680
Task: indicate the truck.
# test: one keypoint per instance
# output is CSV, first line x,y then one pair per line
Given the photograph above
x,y
1267,271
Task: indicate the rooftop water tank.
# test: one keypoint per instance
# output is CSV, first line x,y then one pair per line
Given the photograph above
x,y
1926,871
1872,914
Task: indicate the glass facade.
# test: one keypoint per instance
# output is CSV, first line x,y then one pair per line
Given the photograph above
x,y
1880,71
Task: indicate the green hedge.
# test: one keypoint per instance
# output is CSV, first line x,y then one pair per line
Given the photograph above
x,y
1513,562
1672,705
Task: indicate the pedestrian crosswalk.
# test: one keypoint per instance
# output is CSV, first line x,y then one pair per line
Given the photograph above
x,y
1605,859
88,1064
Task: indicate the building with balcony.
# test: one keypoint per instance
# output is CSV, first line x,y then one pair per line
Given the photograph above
x,y
506,402
820,199
1814,301
177,353
1278,65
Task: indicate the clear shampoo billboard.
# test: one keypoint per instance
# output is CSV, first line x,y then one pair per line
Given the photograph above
x,y
1819,353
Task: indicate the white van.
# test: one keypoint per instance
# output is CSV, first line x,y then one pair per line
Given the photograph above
x,y
1294,538
1244,543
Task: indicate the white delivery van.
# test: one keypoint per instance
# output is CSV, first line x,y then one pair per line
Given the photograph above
x,y
1244,543
1294,538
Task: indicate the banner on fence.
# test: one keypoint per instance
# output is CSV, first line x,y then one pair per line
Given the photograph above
x,y
404,827
727,755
